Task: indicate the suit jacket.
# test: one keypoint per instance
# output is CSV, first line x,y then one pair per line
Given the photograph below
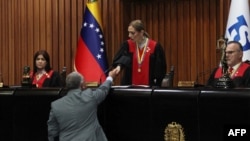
x,y
74,116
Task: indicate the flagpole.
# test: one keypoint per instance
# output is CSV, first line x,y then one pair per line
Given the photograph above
x,y
91,59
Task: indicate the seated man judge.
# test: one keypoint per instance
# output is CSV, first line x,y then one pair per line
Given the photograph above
x,y
238,70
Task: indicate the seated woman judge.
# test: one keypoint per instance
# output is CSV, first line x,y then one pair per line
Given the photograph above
x,y
43,75
141,58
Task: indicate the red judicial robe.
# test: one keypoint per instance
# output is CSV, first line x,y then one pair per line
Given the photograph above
x,y
241,77
152,69
49,79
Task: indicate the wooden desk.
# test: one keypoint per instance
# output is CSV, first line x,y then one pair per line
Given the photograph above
x,y
131,114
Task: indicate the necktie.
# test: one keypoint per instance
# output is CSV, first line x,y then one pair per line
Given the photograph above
x,y
230,70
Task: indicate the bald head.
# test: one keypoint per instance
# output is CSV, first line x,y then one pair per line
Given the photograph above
x,y
74,80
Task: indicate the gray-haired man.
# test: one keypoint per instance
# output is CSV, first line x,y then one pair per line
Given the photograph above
x,y
74,116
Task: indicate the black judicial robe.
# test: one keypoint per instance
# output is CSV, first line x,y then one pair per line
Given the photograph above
x,y
157,64
241,79
54,80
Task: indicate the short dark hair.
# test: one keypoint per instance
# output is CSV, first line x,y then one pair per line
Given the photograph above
x,y
236,42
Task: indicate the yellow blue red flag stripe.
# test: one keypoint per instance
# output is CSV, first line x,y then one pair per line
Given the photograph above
x,y
91,58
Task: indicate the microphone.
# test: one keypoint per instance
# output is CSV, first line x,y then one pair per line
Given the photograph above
x,y
64,69
168,79
63,76
171,73
201,74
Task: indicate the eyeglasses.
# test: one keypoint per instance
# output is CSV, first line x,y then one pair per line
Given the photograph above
x,y
230,52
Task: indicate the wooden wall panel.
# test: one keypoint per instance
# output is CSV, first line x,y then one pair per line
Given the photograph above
x,y
173,39
193,43
30,33
74,35
187,29
206,40
9,58
181,50
199,39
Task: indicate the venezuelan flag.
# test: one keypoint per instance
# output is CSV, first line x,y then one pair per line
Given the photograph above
x,y
91,58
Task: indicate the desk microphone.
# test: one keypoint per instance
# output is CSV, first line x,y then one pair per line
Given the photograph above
x,y
200,75
63,76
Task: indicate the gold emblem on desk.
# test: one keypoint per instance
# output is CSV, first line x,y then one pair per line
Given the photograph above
x,y
174,132
186,84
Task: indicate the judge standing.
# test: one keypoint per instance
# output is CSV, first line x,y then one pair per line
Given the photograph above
x,y
142,58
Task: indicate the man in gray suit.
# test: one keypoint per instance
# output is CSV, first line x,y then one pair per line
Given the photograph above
x,y
74,116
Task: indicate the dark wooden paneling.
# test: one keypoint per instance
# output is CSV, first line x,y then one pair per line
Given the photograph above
x,y
187,29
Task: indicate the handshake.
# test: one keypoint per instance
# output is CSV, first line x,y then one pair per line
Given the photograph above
x,y
113,73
